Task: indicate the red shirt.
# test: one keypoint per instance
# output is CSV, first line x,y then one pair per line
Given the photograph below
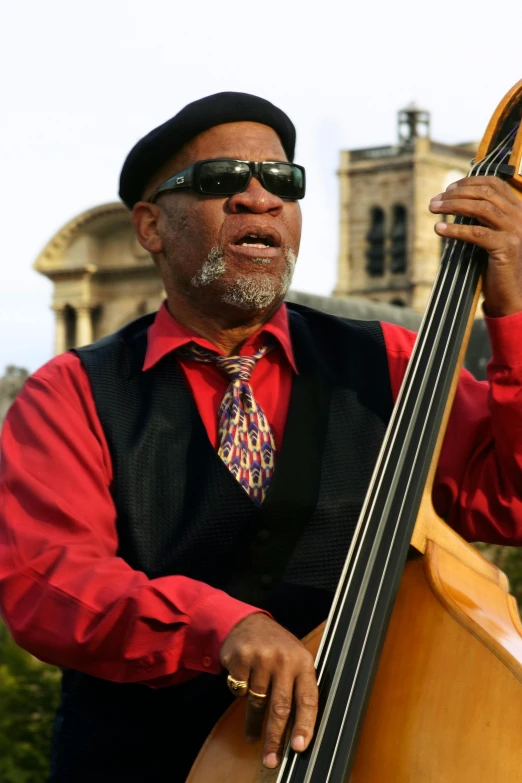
x,y
70,600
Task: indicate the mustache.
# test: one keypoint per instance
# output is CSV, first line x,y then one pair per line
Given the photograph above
x,y
215,265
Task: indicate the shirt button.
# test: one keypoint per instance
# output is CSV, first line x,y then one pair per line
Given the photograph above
x,y
263,535
266,580
207,661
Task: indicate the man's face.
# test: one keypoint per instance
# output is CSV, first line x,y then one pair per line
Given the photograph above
x,y
237,250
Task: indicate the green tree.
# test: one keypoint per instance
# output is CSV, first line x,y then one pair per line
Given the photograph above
x,y
29,689
29,692
509,560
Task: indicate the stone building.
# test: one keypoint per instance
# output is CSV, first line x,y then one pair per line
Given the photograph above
x,y
388,250
102,278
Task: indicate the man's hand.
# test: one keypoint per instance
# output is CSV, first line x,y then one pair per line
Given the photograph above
x,y
275,662
494,204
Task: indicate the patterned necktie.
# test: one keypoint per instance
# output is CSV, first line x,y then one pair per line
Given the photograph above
x,y
246,442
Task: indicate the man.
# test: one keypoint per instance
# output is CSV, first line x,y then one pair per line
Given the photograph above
x,y
168,513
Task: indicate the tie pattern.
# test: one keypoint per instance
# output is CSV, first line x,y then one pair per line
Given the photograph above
x,y
246,441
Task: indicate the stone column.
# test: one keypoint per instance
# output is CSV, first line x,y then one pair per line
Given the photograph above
x,y
60,332
343,284
83,326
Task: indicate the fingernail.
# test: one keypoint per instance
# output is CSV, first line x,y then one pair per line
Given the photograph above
x,y
270,760
441,226
298,743
436,198
435,204
452,186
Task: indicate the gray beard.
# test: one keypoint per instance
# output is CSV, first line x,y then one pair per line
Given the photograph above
x,y
245,292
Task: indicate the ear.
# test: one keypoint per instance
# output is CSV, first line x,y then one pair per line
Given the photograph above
x,y
145,218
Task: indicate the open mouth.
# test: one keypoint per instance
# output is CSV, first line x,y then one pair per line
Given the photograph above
x,y
251,238
256,240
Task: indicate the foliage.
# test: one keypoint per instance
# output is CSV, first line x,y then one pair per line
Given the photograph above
x,y
29,693
29,689
10,385
509,560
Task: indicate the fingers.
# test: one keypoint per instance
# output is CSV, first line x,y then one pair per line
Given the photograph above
x,y
240,670
490,201
240,673
297,689
276,664
278,716
498,211
306,705
488,185
257,703
483,237
484,211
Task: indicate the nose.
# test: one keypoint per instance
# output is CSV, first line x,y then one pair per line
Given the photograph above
x,y
255,199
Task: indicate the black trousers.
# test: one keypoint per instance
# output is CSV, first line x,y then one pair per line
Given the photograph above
x,y
110,733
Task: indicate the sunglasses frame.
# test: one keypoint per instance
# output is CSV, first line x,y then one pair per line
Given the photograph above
x,y
189,178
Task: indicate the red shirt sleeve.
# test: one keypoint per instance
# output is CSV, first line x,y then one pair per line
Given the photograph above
x,y
64,593
478,485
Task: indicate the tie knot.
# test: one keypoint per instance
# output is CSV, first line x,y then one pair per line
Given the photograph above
x,y
236,367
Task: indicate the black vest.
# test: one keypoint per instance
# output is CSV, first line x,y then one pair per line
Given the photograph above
x,y
180,511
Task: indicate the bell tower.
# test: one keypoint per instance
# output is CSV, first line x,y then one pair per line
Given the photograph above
x,y
389,251
412,123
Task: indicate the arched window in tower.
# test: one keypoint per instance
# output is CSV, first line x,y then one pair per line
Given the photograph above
x,y
376,238
399,236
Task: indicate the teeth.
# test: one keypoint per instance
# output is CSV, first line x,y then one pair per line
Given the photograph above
x,y
253,244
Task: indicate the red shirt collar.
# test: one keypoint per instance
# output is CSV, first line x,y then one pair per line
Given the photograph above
x,y
166,334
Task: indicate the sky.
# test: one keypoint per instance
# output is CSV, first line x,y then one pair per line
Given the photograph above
x,y
81,83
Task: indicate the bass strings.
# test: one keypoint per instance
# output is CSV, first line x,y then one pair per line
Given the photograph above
x,y
483,167
486,169
401,403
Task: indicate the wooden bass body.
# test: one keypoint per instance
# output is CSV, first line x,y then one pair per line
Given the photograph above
x,y
446,705
446,702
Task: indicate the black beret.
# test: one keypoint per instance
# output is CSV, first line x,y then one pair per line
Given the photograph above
x,y
154,149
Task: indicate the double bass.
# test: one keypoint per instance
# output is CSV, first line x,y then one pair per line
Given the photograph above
x,y
419,664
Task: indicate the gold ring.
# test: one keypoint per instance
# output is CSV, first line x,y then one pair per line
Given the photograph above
x,y
257,695
238,687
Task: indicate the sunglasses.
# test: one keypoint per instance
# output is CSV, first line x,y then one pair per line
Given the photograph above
x,y
226,176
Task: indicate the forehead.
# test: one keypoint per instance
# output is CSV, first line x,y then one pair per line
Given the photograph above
x,y
243,140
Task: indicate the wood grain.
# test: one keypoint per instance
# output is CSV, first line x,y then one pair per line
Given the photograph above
x,y
446,706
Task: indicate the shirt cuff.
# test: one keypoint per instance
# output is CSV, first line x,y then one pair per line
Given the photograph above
x,y
505,335
211,622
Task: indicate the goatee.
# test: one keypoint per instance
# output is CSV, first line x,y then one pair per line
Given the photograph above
x,y
247,292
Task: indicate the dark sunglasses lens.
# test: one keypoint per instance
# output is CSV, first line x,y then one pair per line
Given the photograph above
x,y
283,179
223,177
